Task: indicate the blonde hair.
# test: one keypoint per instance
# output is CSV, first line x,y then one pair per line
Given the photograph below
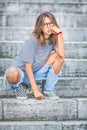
x,y
38,33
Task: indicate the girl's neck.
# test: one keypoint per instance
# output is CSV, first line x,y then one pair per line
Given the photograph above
x,y
46,37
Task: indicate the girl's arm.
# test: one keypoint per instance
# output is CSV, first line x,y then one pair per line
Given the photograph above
x,y
38,95
61,47
58,56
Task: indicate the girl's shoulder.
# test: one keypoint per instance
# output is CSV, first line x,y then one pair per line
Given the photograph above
x,y
32,38
31,41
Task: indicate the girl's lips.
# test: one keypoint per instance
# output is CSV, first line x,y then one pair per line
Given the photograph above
x,y
50,31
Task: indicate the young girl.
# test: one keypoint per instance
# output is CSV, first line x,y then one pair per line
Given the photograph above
x,y
40,58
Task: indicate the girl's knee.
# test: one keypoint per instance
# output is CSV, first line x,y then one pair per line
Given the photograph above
x,y
58,65
13,75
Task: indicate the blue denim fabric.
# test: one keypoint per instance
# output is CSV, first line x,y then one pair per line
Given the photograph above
x,y
45,73
51,80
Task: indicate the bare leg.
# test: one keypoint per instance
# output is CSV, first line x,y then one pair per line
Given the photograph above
x,y
57,65
56,61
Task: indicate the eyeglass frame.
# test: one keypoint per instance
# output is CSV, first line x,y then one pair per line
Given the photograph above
x,y
51,24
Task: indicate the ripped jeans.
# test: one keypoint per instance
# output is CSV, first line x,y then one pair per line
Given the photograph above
x,y
45,73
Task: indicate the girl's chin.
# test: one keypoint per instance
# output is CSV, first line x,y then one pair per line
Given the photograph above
x,y
49,33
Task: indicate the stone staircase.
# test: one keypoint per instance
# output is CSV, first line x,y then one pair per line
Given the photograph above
x,y
17,19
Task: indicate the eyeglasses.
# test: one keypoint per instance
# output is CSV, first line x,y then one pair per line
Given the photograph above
x,y
50,24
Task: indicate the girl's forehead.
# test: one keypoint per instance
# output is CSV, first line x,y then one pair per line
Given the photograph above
x,y
47,19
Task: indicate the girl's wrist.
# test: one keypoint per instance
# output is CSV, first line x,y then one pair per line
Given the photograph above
x,y
58,33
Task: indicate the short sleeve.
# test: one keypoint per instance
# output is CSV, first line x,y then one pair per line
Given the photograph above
x,y
28,50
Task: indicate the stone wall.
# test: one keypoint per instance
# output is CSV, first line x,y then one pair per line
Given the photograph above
x,y
17,19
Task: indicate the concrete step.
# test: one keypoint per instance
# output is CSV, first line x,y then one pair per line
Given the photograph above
x,y
67,87
43,125
72,67
9,49
43,110
28,20
22,33
37,6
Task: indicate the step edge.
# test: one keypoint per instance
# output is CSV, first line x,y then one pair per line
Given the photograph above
x,y
66,59
27,28
66,42
41,122
52,1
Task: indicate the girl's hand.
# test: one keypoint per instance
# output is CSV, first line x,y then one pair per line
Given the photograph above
x,y
38,95
55,29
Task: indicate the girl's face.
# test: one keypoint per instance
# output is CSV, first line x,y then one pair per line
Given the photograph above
x,y
47,27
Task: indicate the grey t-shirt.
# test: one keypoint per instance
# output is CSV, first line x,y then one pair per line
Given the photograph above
x,y
34,53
